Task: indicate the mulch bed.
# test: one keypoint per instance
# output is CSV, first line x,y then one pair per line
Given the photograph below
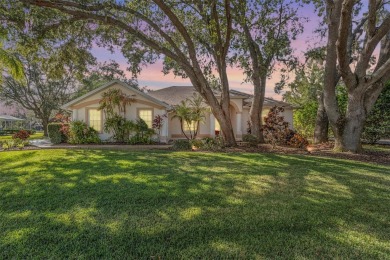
x,y
325,150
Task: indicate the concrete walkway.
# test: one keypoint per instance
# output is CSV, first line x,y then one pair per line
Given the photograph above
x,y
129,147
384,141
46,144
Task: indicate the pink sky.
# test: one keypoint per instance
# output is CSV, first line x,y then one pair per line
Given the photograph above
x,y
152,77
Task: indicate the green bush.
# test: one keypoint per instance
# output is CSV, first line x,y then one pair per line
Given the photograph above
x,y
251,140
54,131
120,127
213,144
143,134
14,143
80,133
208,143
372,134
181,145
197,143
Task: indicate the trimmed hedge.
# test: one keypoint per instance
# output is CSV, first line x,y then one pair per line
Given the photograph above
x,y
14,131
55,134
182,145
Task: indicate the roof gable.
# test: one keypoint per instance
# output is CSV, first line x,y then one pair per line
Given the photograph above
x,y
109,84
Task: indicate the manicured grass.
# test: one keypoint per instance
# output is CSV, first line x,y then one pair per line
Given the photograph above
x,y
377,148
98,204
37,135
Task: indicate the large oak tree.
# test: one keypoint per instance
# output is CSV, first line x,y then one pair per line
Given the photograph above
x,y
363,83
265,29
192,37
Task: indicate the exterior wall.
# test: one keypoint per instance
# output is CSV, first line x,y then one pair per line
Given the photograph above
x,y
175,130
80,109
244,120
172,129
288,117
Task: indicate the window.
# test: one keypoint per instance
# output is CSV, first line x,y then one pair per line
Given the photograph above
x,y
264,113
95,119
147,116
217,126
189,127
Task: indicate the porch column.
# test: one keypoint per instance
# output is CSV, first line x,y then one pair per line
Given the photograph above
x,y
164,131
75,114
238,126
212,125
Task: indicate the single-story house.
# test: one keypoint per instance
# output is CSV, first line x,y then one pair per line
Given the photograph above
x,y
160,102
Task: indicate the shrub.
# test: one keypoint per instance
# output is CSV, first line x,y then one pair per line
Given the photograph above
x,y
371,134
197,143
80,133
14,143
119,126
210,144
22,134
54,132
275,129
298,141
182,145
251,140
158,123
58,132
143,134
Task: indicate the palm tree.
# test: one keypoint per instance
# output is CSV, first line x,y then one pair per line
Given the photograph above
x,y
190,113
114,98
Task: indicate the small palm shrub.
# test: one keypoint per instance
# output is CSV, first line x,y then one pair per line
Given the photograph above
x,y
142,133
120,127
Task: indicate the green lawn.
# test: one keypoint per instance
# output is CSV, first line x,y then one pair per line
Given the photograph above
x,y
37,135
97,204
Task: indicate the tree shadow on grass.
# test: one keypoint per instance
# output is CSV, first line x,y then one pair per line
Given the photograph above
x,y
117,204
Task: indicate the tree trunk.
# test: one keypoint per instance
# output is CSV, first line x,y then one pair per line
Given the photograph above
x,y
224,116
322,123
226,127
352,133
353,124
331,77
45,122
217,108
257,107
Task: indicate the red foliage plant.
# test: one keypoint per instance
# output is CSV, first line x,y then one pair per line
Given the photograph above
x,y
158,123
276,131
22,134
64,119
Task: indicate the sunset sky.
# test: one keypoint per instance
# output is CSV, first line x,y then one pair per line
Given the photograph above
x,y
152,77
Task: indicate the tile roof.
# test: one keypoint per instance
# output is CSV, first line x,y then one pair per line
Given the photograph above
x,y
175,94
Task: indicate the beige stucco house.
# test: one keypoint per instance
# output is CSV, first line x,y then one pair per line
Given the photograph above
x,y
161,102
